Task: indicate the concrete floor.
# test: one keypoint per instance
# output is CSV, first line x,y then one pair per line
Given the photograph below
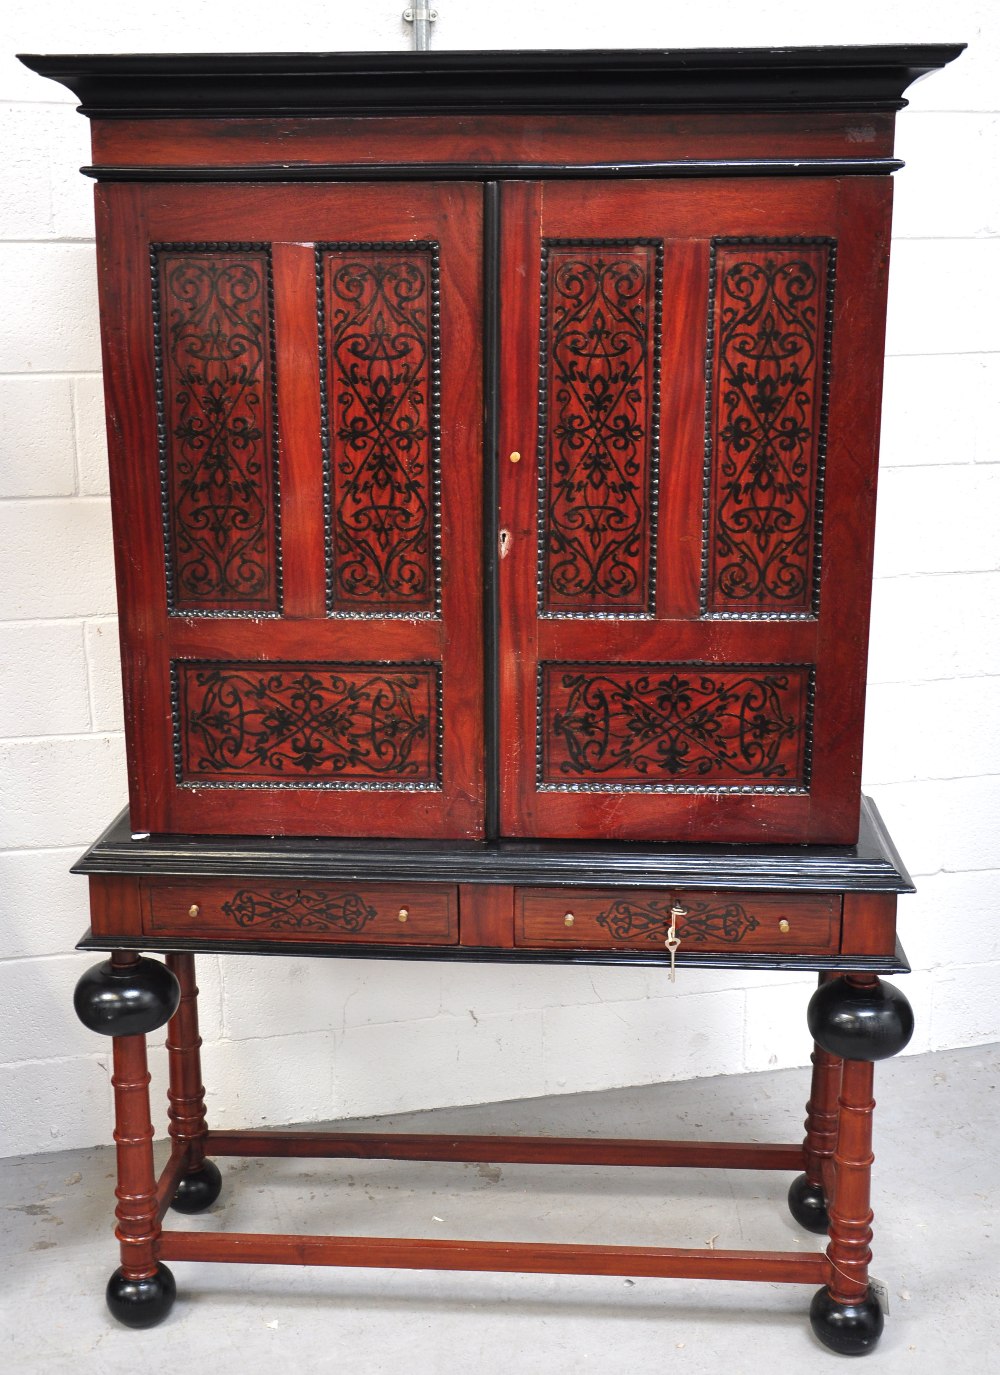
x,y
936,1246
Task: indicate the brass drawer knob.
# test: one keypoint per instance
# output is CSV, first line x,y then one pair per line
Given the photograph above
x,y
404,914
783,927
515,457
568,919
194,910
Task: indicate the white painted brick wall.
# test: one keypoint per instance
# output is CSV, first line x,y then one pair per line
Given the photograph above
x,y
289,1040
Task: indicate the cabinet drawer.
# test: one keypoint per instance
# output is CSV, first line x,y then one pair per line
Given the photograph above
x,y
423,914
805,923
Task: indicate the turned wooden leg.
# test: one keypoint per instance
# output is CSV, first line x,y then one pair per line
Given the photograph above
x,y
202,1182
808,1195
860,1019
850,1212
125,998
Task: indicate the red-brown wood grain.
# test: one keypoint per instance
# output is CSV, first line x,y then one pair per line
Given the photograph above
x,y
822,1115
258,909
487,914
137,1208
490,138
509,1150
529,1258
292,220
640,918
850,1210
687,217
186,1092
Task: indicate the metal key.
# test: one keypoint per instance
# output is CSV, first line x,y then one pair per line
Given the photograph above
x,y
673,941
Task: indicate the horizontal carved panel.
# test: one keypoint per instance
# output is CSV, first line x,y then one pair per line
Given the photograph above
x,y
379,309
770,324
214,337
703,920
670,726
308,724
598,419
424,913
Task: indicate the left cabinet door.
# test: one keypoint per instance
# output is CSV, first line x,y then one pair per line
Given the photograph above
x,y
294,387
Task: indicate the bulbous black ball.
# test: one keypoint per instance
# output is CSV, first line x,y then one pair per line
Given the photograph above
x,y
807,1205
130,1000
850,1329
141,1303
198,1190
866,1023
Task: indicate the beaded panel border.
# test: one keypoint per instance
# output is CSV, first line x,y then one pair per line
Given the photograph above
x,y
653,483
163,439
791,241
312,785
432,247
766,789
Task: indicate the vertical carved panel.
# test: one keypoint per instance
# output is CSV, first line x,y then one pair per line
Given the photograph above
x,y
379,308
770,324
218,446
308,724
674,727
598,420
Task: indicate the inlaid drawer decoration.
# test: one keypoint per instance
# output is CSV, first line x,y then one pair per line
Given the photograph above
x,y
669,726
307,724
427,914
801,923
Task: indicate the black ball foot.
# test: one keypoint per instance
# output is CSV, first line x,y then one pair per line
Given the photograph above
x,y
867,1022
141,1303
199,1190
130,1000
850,1329
807,1205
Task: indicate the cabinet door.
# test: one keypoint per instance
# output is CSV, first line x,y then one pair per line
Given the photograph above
x,y
689,410
294,385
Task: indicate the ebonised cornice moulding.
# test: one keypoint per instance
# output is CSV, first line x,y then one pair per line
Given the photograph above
x,y
166,85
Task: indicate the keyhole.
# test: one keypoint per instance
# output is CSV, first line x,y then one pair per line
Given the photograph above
x,y
504,543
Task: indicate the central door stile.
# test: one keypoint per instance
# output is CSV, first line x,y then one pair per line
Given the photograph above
x,y
491,503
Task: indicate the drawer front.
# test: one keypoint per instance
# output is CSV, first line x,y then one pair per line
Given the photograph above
x,y
805,923
421,914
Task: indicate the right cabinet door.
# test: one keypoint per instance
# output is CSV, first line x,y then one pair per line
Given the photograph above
x,y
690,392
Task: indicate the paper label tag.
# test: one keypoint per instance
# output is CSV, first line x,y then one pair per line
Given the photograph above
x,y
880,1291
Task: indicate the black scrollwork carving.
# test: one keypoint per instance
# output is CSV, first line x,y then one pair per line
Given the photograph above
x,y
725,923
767,425
272,721
599,319
379,308
214,385
297,909
687,723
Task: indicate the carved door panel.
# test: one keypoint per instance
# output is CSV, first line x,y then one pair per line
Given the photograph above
x,y
294,383
687,530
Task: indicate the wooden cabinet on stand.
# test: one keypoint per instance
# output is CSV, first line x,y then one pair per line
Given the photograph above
x,y
493,444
